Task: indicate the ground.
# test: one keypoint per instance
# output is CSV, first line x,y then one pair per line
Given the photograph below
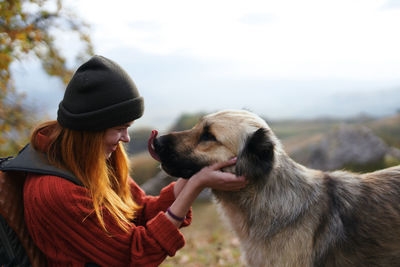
x,y
209,241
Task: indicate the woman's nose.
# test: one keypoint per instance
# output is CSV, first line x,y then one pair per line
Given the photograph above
x,y
125,136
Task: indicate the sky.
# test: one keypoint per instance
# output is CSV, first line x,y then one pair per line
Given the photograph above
x,y
278,58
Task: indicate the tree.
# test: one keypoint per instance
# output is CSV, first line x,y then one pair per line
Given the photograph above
x,y
28,30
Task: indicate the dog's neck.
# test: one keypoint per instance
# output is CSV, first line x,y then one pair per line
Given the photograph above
x,y
282,199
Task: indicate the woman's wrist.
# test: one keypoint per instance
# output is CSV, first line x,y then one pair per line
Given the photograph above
x,y
174,216
184,201
195,184
179,185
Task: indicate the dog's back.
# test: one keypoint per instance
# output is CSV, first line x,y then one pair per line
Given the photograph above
x,y
361,224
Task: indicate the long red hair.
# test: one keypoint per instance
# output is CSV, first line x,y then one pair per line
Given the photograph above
x,y
82,153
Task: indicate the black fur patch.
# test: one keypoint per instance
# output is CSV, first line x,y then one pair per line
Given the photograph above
x,y
256,159
336,226
207,136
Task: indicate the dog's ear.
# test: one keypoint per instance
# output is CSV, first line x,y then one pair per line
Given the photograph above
x,y
256,158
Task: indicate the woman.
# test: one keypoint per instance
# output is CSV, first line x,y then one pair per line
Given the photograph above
x,y
109,221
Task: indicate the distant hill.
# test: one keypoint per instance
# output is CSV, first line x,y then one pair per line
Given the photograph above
x,y
357,144
352,147
388,129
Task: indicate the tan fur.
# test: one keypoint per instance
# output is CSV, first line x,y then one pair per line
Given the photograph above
x,y
290,215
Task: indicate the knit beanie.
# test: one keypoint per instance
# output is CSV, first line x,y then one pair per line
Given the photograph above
x,y
99,96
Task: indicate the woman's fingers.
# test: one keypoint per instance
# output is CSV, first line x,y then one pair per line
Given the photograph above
x,y
220,165
229,182
213,177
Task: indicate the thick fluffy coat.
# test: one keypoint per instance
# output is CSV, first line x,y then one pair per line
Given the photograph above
x,y
290,215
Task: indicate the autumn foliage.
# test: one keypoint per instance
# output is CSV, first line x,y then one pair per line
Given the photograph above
x,y
27,30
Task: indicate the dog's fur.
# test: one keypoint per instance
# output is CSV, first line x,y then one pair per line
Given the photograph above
x,y
290,215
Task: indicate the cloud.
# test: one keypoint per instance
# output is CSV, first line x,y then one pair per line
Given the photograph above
x,y
392,4
257,18
286,38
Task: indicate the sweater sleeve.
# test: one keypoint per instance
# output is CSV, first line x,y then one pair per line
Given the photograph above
x,y
152,205
60,218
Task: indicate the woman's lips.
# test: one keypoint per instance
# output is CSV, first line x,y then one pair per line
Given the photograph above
x,y
150,145
111,149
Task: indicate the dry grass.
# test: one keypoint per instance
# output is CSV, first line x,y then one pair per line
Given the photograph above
x,y
209,242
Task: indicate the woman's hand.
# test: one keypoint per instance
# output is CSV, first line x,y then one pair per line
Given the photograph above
x,y
214,178
187,191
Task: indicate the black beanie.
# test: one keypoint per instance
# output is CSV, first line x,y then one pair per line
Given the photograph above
x,y
100,95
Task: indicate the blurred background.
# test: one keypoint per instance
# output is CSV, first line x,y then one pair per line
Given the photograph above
x,y
324,74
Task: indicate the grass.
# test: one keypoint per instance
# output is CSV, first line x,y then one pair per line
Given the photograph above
x,y
388,129
209,241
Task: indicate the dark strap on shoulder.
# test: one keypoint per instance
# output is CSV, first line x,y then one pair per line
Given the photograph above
x,y
12,253
30,160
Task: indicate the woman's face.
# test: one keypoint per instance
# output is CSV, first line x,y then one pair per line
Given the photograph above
x,y
114,135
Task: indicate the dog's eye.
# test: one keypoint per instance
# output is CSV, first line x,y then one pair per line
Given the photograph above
x,y
207,136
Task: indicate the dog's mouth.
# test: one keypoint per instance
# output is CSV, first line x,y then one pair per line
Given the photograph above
x,y
171,161
150,146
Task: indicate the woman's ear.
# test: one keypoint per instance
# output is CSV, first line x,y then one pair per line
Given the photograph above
x,y
255,160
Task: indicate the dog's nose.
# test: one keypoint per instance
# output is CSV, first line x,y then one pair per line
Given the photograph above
x,y
156,143
159,143
163,143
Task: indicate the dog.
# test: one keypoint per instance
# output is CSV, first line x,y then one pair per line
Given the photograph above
x,y
288,214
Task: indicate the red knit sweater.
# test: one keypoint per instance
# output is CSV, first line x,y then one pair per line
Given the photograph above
x,y
59,219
